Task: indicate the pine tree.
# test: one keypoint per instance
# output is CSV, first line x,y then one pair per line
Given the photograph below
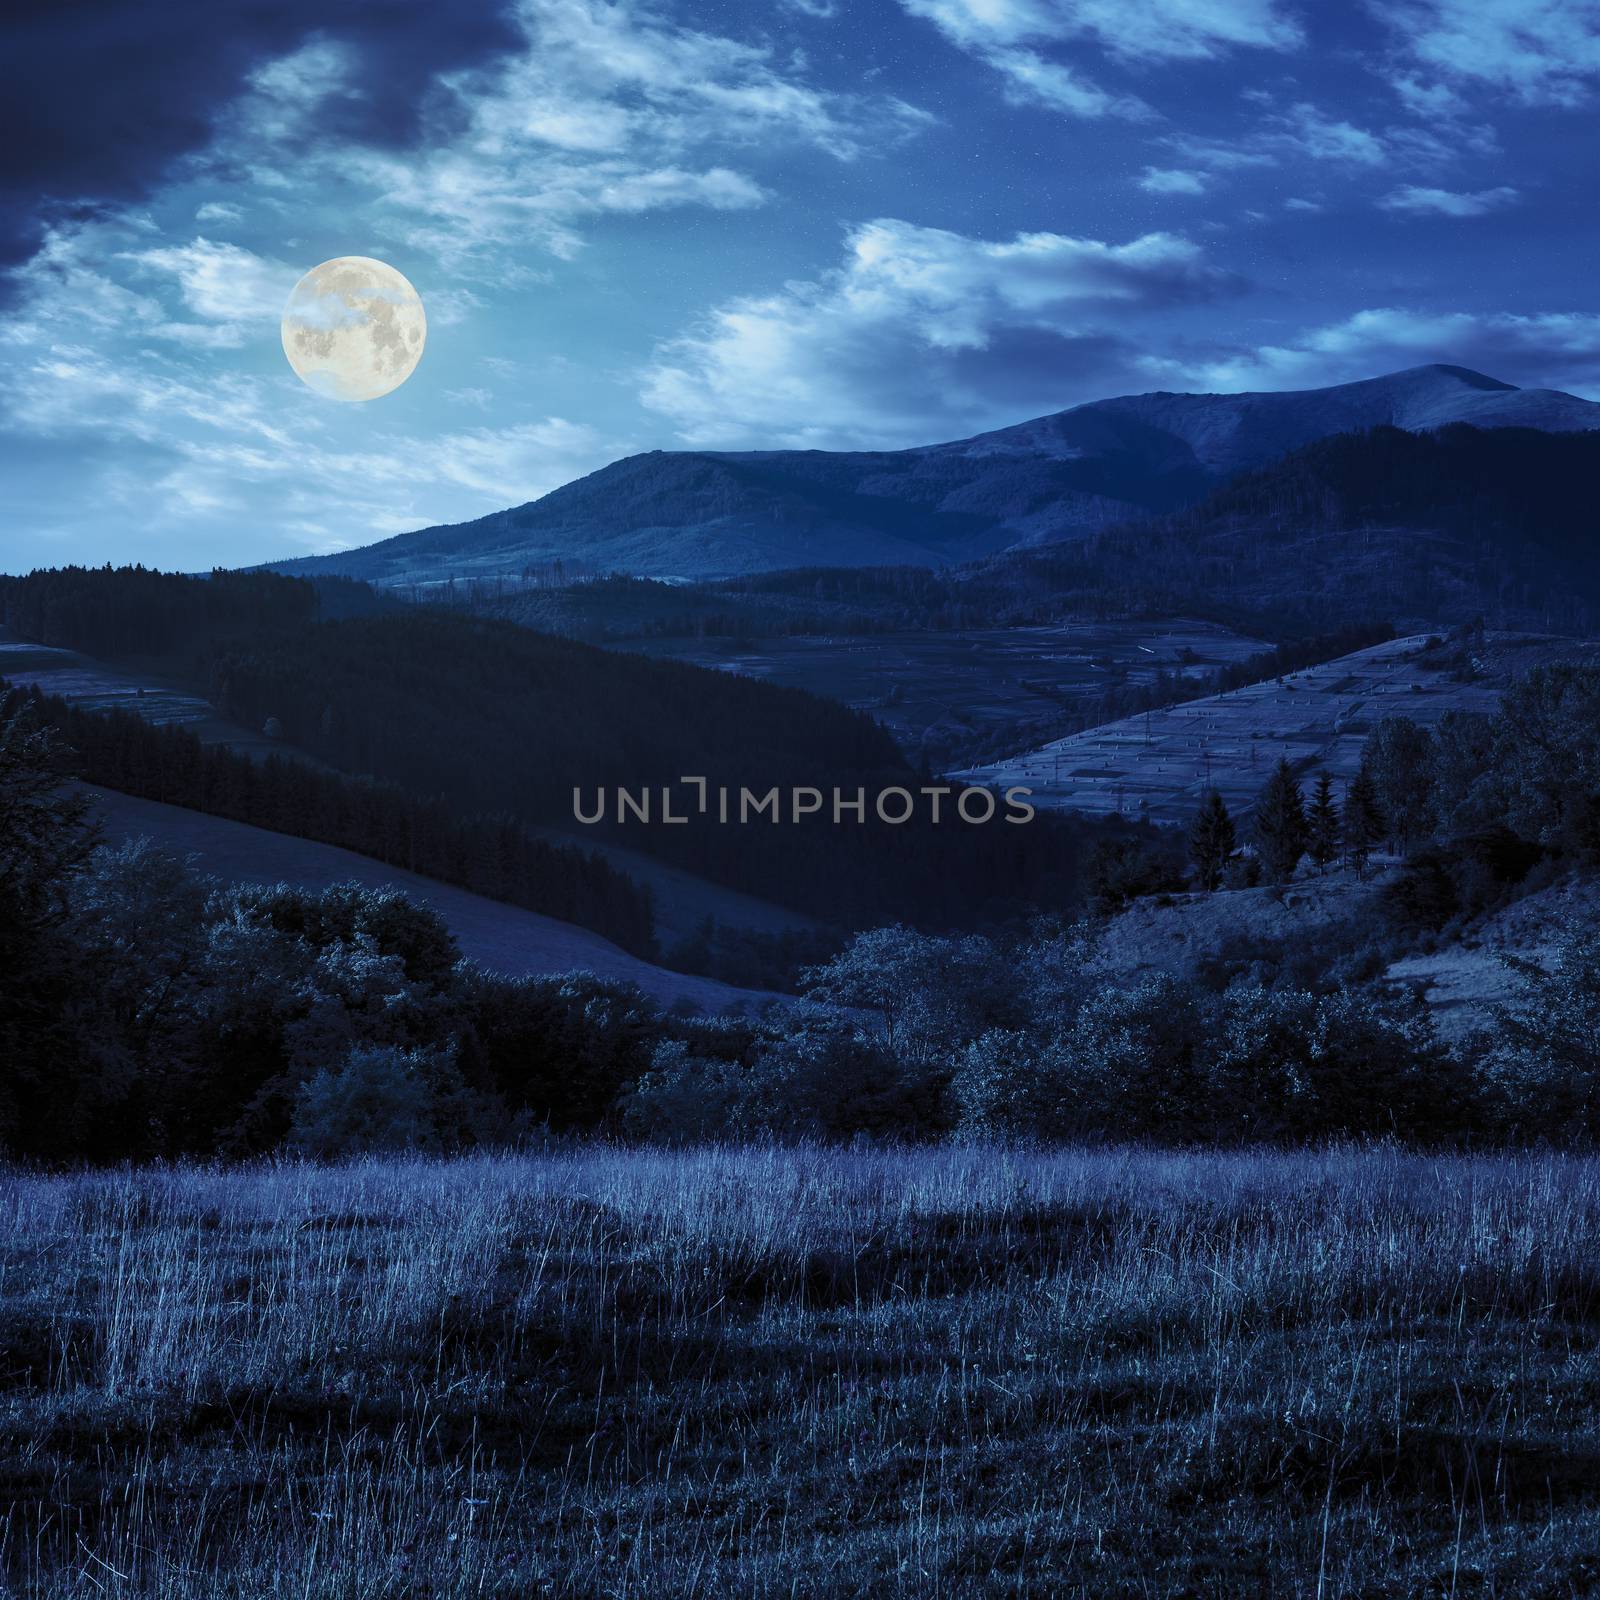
x,y
1281,823
1323,823
1363,820
1211,841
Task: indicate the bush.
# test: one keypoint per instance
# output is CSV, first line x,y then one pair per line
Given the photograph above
x,y
384,1098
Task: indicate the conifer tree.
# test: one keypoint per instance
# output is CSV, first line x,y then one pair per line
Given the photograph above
x,y
1363,822
1212,840
1323,824
1281,823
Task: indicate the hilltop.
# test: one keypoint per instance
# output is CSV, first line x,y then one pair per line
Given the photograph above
x,y
714,513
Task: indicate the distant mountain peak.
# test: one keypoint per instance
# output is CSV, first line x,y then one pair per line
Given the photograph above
x,y
1466,375
707,513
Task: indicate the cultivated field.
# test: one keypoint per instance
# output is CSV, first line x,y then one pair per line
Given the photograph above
x,y
97,686
710,1373
1157,766
938,689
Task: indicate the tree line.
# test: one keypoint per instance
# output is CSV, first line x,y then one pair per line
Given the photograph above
x,y
491,855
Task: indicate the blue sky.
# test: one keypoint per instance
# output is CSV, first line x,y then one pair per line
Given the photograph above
x,y
814,223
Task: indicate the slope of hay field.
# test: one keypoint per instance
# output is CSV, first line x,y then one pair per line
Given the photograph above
x,y
500,937
1158,765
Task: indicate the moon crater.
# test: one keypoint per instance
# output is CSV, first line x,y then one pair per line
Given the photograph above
x,y
354,328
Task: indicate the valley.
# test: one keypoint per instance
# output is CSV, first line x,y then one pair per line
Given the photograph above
x,y
941,693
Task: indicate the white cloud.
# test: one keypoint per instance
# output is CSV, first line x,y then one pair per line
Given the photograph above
x,y
918,330
1447,203
1547,349
224,282
1172,180
1540,52
1304,130
610,109
1156,30
208,442
1014,36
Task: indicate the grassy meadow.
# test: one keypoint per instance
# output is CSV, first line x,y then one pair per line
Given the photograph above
x,y
761,1372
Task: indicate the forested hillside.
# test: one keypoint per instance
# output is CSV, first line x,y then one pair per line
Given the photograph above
x,y
499,717
491,855
494,718
1437,527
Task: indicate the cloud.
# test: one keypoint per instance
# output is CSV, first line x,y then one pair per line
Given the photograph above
x,y
1305,131
224,282
920,331
77,72
1171,180
609,108
1539,52
469,126
1015,38
1543,349
1446,203
1156,30
195,445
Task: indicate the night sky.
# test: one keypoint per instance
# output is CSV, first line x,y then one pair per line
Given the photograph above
x,y
826,223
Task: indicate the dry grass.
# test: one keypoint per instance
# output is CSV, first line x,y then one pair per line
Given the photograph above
x,y
610,1373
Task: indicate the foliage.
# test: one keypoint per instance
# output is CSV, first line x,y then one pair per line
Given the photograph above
x,y
1123,867
1361,820
1212,841
1322,824
1399,758
1280,823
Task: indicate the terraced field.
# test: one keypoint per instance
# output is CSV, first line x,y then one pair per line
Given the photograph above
x,y
97,686
939,691
1158,765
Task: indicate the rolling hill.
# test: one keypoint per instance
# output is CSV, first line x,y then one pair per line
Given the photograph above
x,y
1158,766
706,513
499,937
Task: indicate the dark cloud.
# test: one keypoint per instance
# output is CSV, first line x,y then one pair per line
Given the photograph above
x,y
99,97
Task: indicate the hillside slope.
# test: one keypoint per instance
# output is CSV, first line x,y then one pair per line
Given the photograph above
x,y
499,937
1158,766
708,513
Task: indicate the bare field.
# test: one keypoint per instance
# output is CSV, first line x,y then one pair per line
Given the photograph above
x,y
943,687
1157,766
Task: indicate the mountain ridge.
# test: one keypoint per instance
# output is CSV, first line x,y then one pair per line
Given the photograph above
x,y
697,514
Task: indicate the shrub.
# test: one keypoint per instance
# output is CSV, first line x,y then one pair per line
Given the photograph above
x,y
383,1097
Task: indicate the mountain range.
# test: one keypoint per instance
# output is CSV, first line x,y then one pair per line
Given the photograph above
x,y
700,514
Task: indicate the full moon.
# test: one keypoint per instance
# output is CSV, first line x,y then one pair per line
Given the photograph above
x,y
354,328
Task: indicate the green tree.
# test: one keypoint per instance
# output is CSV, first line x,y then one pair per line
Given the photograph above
x,y
1322,823
1280,823
1212,841
46,1021
1547,757
1361,824
1400,758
